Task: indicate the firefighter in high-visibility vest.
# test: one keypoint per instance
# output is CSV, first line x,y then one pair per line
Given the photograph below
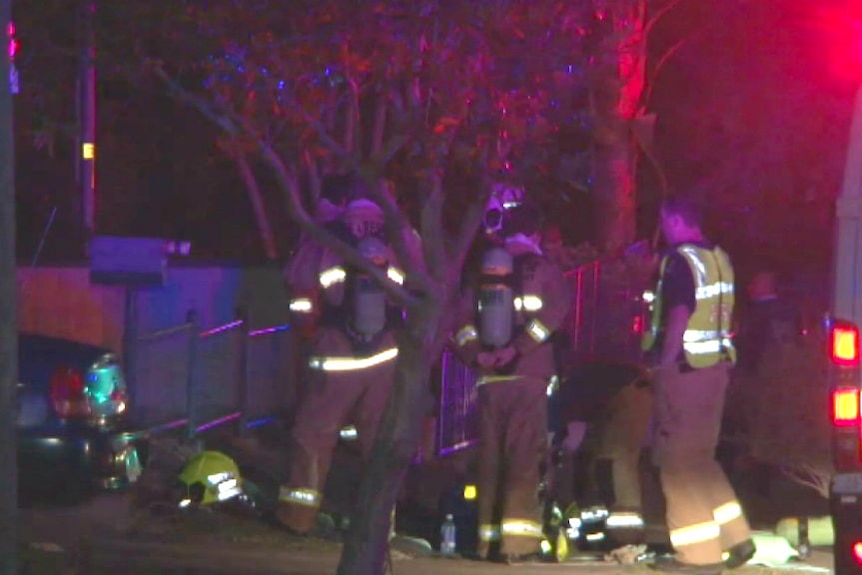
x,y
519,302
352,365
691,353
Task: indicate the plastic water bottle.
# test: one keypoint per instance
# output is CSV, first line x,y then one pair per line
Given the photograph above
x,y
447,537
804,547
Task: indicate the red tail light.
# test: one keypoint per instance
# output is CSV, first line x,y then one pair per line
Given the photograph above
x,y
844,344
845,407
857,552
68,393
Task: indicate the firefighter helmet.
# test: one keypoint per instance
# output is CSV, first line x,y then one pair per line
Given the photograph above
x,y
209,477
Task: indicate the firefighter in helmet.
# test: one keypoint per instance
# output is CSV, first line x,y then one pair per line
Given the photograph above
x,y
351,365
519,301
300,274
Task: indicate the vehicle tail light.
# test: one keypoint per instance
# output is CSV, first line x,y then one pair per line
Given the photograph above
x,y
844,344
106,388
845,407
857,552
68,393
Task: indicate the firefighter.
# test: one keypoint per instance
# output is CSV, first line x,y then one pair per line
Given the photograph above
x,y
520,301
691,354
608,404
352,365
300,274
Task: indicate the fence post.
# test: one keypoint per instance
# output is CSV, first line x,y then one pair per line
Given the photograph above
x,y
191,402
242,367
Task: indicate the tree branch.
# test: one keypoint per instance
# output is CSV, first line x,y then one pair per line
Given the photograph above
x,y
175,90
661,13
313,175
398,230
661,63
379,128
389,148
432,227
256,198
289,186
324,135
469,225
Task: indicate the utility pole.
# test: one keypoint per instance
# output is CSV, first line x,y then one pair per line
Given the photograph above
x,y
87,119
8,319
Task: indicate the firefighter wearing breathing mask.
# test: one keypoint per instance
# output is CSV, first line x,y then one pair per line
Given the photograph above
x,y
301,271
352,365
519,302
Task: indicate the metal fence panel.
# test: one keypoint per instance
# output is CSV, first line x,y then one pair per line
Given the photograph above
x,y
161,373
271,385
457,422
186,378
218,376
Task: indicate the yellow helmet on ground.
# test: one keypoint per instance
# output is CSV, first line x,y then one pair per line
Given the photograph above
x,y
210,477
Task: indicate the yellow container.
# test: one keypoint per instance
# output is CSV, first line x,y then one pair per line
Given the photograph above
x,y
820,530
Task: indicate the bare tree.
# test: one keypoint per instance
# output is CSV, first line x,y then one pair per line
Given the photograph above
x,y
444,98
621,83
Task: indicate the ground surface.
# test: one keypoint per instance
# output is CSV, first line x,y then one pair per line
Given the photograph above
x,y
104,535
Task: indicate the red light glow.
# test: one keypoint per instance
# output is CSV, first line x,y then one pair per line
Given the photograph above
x,y
844,345
14,45
840,25
845,407
857,552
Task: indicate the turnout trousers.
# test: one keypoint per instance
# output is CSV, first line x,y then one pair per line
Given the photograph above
x,y
344,389
615,470
704,517
512,448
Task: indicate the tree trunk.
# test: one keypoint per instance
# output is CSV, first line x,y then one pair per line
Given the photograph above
x,y
364,551
8,325
257,205
618,81
614,177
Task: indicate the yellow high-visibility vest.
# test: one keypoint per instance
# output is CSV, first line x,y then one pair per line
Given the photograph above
x,y
707,338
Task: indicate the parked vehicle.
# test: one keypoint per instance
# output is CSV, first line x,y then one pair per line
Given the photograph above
x,y
845,376
72,424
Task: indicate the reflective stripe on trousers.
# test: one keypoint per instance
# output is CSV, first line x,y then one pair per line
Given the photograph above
x,y
304,497
702,532
510,528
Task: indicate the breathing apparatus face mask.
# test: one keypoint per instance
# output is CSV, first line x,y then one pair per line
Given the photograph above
x,y
503,198
364,218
